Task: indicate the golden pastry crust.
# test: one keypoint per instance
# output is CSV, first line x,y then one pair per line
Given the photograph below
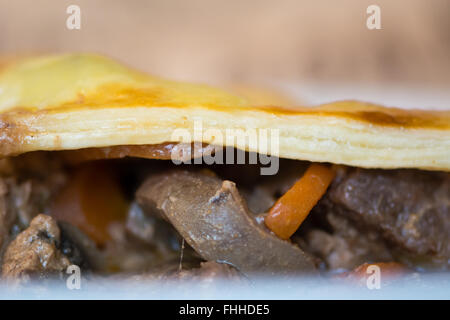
x,y
76,101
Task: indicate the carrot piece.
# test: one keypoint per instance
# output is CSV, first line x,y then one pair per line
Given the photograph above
x,y
287,214
91,201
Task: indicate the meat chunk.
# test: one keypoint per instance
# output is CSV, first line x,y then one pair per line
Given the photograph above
x,y
212,217
26,185
35,252
341,245
19,202
383,215
6,216
411,208
23,200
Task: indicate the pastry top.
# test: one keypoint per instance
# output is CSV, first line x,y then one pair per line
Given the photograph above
x,y
74,101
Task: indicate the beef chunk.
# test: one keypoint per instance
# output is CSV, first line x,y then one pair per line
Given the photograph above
x,y
23,200
408,208
35,251
19,202
381,216
26,185
341,245
6,216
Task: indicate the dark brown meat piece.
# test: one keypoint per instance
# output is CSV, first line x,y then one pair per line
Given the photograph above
x,y
213,218
23,200
35,252
19,203
341,245
7,216
26,184
410,208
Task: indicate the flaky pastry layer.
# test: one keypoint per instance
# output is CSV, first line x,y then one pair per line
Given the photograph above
x,y
75,101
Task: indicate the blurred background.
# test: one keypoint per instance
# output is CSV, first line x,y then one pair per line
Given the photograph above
x,y
314,51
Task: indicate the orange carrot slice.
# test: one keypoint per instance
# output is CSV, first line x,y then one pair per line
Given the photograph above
x,y
288,213
91,201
